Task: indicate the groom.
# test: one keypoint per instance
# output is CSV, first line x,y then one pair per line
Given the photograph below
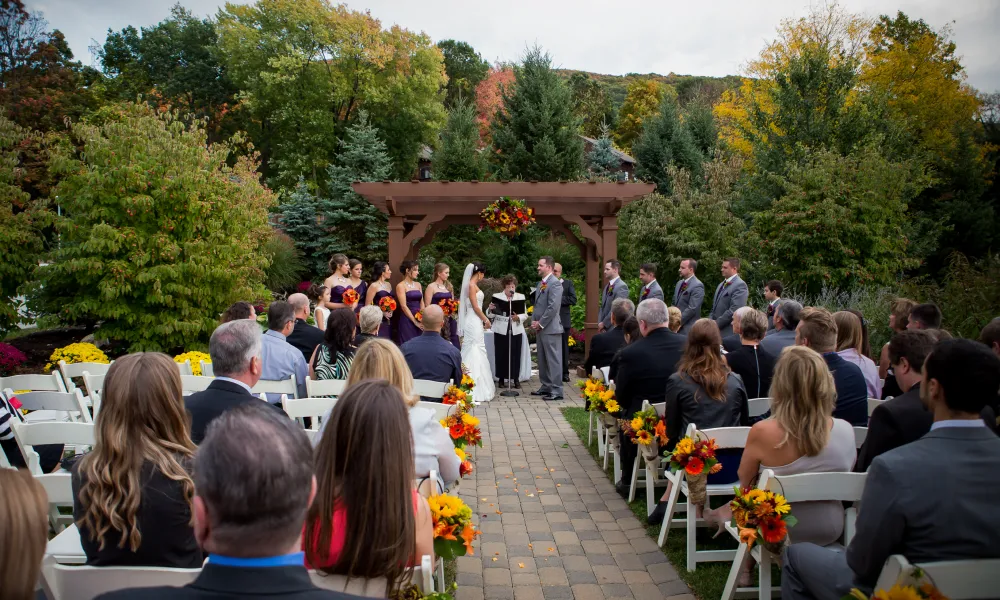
x,y
548,331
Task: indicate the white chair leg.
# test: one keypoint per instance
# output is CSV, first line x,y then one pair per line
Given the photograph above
x,y
590,430
734,573
602,441
650,489
607,456
618,465
634,480
692,534
764,569
674,492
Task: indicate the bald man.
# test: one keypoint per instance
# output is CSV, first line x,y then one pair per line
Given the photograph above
x,y
304,337
431,356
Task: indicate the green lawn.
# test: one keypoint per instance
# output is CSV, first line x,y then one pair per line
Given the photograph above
x,y
709,579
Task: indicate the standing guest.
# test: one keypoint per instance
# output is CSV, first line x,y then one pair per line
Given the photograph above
x,y
321,295
548,331
280,359
249,511
650,287
924,316
410,301
616,288
730,295
24,529
689,293
358,284
510,339
338,281
731,343
430,356
644,368
304,336
899,318
367,520
132,492
786,319
990,335
772,293
907,487
604,346
369,321
632,335
674,318
749,361
850,346
568,300
239,310
332,357
437,291
818,330
235,348
378,289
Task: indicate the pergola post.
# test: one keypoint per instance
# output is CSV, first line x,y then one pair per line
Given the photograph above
x,y
397,250
593,287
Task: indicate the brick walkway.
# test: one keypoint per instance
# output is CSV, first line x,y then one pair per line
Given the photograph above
x,y
553,525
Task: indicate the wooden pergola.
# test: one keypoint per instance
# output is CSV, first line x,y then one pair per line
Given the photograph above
x,y
417,211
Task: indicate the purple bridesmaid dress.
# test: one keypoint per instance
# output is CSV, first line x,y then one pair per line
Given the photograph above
x,y
385,329
407,330
439,296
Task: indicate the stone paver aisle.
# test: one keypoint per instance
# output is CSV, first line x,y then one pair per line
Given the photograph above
x,y
553,525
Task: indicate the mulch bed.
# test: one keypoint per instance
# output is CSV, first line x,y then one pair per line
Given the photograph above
x,y
38,346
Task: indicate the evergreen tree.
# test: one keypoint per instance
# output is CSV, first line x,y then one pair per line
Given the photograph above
x,y
350,224
602,161
535,135
459,158
698,120
298,220
666,142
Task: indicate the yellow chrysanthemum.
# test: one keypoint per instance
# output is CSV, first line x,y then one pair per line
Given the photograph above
x,y
470,420
636,424
684,446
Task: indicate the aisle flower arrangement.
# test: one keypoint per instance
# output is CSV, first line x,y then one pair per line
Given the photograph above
x,y
912,586
648,430
599,398
79,352
412,592
453,528
195,357
462,427
387,304
697,459
461,393
762,516
349,297
507,216
449,306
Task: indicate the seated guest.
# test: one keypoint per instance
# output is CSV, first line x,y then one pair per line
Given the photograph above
x,y
49,455
674,318
643,370
332,358
369,321
235,349
924,316
24,529
249,511
603,346
850,345
990,335
786,319
280,359
132,492
367,520
632,334
818,330
753,365
899,318
239,310
430,356
731,343
304,336
950,469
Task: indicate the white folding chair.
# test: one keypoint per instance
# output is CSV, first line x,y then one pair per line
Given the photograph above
x,y
972,579
430,389
195,383
806,487
873,404
423,578
441,411
28,435
59,489
725,438
53,406
65,548
93,384
185,367
325,387
860,434
652,477
52,382
69,371
206,368
80,582
281,386
758,406
312,408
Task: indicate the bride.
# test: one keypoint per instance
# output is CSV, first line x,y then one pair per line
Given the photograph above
x,y
472,324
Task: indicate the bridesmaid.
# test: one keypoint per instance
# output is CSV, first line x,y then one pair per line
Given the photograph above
x,y
441,289
410,299
380,288
338,282
359,284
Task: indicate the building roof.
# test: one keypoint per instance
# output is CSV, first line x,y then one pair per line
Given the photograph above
x,y
621,155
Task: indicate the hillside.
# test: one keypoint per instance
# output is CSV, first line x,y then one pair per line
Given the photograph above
x,y
687,86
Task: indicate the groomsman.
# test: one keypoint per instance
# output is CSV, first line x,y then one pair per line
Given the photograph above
x,y
772,293
616,288
548,331
689,293
731,294
651,288
568,300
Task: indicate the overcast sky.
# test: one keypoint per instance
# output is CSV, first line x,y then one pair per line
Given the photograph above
x,y
614,37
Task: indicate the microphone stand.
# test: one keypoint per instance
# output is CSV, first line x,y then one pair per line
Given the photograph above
x,y
510,348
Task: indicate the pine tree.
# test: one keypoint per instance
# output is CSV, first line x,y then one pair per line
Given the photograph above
x,y
460,158
535,136
602,161
666,142
298,220
350,224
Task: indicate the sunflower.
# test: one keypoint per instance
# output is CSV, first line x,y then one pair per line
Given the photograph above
x,y
695,466
611,406
645,438
773,529
781,505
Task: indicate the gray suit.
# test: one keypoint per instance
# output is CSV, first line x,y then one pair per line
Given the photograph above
x,y
654,291
689,301
770,310
727,299
548,339
931,500
776,341
619,290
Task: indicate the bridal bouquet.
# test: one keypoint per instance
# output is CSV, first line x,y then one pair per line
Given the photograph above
x,y
387,304
449,306
507,216
349,296
452,520
761,515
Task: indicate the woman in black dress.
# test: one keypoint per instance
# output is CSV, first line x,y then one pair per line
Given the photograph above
x,y
750,362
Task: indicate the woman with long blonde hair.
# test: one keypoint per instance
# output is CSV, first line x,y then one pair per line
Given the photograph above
x,y
133,493
24,529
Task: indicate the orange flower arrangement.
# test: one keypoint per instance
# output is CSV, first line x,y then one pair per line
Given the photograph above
x,y
463,429
647,427
349,296
419,316
694,457
449,306
761,515
452,520
387,304
461,394
507,216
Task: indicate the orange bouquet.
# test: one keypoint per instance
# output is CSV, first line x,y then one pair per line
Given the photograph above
x,y
349,297
387,304
449,306
419,316
461,394
762,515
452,520
463,429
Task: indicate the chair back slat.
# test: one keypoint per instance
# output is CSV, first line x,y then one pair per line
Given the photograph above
x,y
325,387
71,402
873,404
972,579
315,408
430,389
860,435
54,432
811,487
758,406
727,437
195,383
185,367
58,487
441,411
82,582
598,374
206,369
68,371
281,386
36,383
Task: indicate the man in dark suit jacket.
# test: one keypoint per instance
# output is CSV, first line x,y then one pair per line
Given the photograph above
x,y
229,346
909,504
817,330
304,337
643,370
249,510
430,356
689,293
786,319
568,300
603,346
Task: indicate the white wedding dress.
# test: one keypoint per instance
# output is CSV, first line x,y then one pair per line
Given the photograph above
x,y
474,356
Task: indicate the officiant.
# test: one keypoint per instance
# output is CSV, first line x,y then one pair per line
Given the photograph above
x,y
508,311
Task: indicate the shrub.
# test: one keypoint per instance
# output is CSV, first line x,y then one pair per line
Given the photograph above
x,y
80,352
10,359
286,266
195,357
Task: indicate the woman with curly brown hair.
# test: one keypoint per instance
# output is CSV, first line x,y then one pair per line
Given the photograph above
x,y
132,493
